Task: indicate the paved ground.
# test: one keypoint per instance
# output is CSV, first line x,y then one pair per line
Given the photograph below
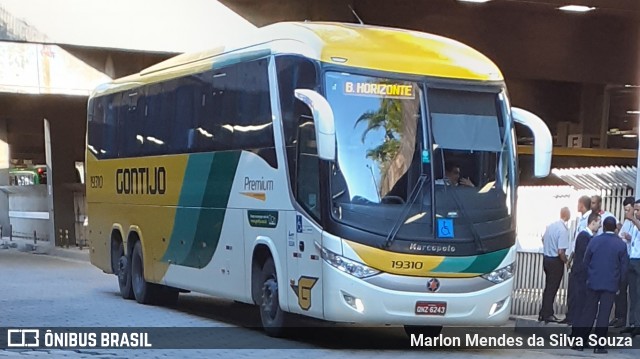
x,y
45,290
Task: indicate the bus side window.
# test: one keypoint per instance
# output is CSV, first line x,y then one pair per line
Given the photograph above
x,y
155,133
183,134
293,73
308,176
130,115
102,127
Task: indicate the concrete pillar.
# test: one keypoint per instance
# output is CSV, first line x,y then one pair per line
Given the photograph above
x,y
65,139
592,101
604,122
637,189
4,176
53,237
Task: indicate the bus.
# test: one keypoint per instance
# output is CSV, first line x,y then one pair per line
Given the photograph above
x,y
345,172
28,175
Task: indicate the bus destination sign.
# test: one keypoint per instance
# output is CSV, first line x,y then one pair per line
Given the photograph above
x,y
388,90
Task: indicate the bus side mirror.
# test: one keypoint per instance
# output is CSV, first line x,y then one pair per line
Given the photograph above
x,y
323,120
543,142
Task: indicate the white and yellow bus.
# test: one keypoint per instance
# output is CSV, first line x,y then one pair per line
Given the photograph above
x,y
313,169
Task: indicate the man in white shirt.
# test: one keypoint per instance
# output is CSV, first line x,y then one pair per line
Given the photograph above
x,y
627,230
584,207
452,177
633,274
584,210
555,242
596,206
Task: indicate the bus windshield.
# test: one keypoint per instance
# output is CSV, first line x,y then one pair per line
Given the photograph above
x,y
379,141
471,160
385,175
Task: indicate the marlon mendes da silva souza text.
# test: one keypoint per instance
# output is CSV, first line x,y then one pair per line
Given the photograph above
x,y
554,340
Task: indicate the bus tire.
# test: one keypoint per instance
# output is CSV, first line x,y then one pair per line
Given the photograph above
x,y
272,316
426,330
144,292
124,274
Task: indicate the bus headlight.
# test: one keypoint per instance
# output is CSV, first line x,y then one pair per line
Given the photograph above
x,y
500,275
354,268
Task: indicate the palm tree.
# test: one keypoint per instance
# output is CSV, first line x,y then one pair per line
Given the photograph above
x,y
393,155
389,117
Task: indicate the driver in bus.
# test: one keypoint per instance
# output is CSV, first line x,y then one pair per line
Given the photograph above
x,y
452,177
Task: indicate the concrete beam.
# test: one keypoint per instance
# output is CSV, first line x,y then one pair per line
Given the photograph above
x,y
140,25
45,69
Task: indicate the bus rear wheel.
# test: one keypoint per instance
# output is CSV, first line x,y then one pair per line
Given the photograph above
x,y
426,330
145,292
124,273
142,289
272,316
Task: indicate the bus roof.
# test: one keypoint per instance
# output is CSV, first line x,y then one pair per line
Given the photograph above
x,y
353,45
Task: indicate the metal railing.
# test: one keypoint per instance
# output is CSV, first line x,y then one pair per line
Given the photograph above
x,y
529,284
529,277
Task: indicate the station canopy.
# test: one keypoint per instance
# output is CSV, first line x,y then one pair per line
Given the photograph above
x,y
598,178
33,35
139,25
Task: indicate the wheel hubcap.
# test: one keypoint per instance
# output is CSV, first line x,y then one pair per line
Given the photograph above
x,y
122,268
137,273
270,298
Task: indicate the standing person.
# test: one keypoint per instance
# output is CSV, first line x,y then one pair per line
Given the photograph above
x,y
627,230
578,275
584,210
452,176
633,276
555,242
584,207
596,206
606,263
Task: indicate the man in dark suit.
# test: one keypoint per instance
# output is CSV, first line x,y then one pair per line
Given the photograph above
x,y
578,275
606,263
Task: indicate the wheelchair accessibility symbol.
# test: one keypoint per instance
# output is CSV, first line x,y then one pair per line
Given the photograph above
x,y
298,223
445,228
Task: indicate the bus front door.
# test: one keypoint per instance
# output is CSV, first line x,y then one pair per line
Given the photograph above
x,y
304,266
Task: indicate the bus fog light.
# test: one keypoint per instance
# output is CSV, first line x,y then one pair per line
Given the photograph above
x,y
354,302
500,275
497,306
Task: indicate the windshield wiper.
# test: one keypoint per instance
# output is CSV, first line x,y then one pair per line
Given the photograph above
x,y
472,226
462,210
405,211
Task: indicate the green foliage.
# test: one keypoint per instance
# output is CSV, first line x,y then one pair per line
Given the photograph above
x,y
387,117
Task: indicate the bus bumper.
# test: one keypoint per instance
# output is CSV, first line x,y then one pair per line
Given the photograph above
x,y
349,299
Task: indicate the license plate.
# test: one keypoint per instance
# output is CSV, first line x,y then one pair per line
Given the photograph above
x,y
431,308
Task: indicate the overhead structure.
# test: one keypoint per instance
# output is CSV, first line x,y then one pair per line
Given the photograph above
x,y
139,25
601,178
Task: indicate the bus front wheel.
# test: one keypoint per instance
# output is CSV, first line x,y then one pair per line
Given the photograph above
x,y
272,316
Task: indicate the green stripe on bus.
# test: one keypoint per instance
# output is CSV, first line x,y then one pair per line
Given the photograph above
x,y
186,219
485,263
206,189
454,264
481,264
216,196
